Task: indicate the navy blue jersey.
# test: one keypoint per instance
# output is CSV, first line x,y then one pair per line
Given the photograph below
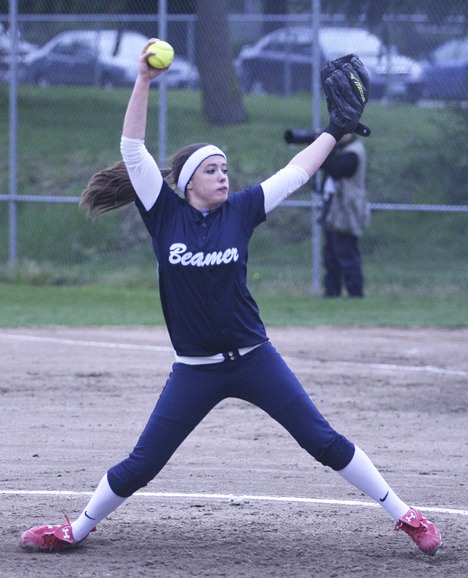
x,y
202,264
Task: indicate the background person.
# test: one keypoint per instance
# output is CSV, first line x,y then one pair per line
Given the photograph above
x,y
346,215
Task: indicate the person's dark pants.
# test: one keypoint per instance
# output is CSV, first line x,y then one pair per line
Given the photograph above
x,y
342,263
261,377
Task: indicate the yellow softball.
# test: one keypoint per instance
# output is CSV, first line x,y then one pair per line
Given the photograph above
x,y
164,54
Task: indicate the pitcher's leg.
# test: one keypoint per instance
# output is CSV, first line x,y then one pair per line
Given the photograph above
x,y
266,381
364,476
188,396
280,394
102,503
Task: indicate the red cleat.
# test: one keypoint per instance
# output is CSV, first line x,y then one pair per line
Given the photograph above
x,y
51,538
424,533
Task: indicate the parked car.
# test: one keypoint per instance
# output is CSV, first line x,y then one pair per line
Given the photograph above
x,y
281,62
447,71
97,57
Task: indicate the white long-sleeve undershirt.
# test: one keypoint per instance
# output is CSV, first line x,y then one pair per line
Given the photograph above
x,y
147,180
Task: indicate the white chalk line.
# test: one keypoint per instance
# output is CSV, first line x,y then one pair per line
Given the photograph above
x,y
233,498
288,359
386,366
104,344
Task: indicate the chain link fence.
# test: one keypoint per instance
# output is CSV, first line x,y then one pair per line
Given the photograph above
x,y
64,105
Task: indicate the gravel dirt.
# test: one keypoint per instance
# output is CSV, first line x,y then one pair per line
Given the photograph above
x,y
239,498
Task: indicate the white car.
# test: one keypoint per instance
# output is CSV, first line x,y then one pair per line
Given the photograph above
x,y
281,62
104,58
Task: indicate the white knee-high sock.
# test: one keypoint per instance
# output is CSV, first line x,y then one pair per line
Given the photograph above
x,y
363,475
103,502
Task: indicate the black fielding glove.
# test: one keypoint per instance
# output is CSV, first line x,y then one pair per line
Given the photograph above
x,y
345,83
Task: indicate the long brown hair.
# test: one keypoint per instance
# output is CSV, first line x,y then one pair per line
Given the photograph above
x,y
111,188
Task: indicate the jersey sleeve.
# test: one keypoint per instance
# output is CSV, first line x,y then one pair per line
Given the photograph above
x,y
250,206
282,184
143,171
167,203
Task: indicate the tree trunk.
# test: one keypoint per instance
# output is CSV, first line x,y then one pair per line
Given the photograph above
x,y
220,88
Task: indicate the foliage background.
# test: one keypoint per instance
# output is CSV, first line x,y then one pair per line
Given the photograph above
x,y
417,155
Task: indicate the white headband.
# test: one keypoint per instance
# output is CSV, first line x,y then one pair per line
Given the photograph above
x,y
194,161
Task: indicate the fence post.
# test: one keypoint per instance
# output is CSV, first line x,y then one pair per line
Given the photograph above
x,y
13,144
316,231
162,91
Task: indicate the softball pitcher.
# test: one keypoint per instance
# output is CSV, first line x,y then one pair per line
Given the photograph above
x,y
200,238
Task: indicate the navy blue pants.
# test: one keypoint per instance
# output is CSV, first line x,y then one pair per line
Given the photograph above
x,y
342,263
262,378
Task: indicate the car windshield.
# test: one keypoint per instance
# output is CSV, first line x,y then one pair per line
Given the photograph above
x,y
453,50
335,42
130,45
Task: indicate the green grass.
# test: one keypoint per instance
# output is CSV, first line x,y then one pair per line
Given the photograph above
x,y
67,134
23,305
27,305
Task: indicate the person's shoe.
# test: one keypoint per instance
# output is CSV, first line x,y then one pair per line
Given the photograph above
x,y
50,538
424,533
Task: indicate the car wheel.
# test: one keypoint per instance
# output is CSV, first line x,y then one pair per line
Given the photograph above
x,y
251,84
257,87
107,82
414,93
42,81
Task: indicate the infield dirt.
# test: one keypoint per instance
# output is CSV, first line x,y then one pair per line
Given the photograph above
x,y
246,500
